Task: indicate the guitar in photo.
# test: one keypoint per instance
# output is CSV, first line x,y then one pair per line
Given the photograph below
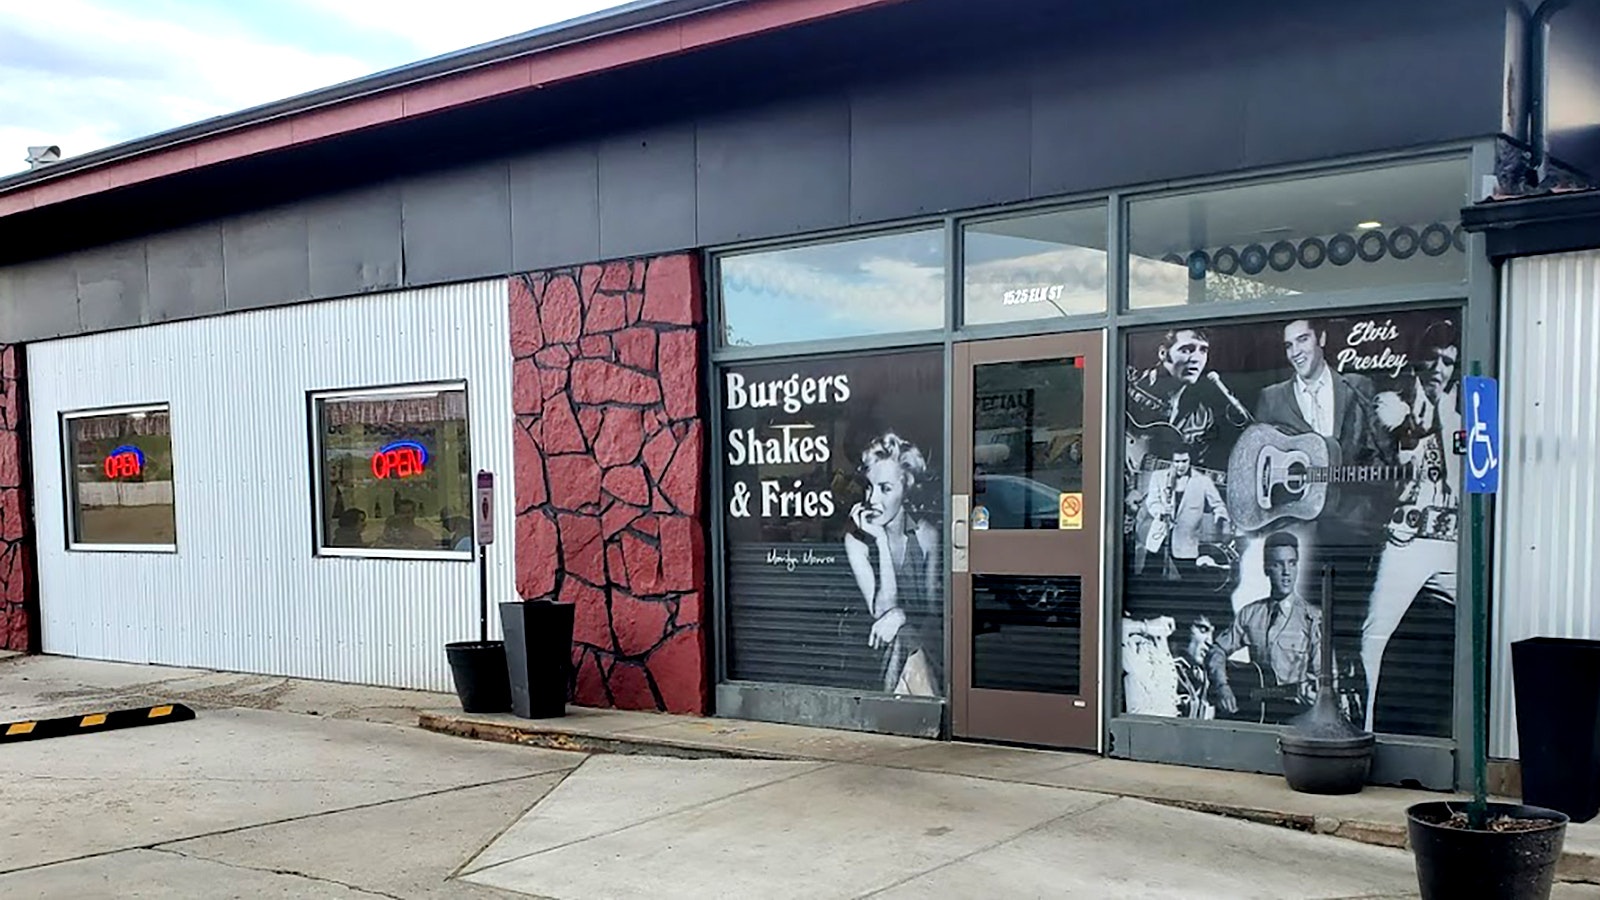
x,y
1273,475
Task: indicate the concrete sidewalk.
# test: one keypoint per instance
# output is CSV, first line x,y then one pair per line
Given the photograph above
x,y
1374,816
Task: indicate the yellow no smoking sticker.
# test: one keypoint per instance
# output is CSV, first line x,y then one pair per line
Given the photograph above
x,y
1071,512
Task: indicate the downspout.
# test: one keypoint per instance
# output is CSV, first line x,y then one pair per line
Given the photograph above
x,y
1538,119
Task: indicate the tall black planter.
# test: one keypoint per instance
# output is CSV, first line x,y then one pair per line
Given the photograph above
x,y
478,669
1485,865
538,656
1557,681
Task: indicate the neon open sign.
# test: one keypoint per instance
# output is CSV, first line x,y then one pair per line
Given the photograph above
x,y
127,461
401,459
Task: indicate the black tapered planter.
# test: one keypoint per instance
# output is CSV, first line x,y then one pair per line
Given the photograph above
x,y
479,671
1557,682
1485,865
538,656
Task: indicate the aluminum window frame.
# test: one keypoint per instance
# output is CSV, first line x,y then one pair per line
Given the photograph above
x,y
314,399
1474,296
69,483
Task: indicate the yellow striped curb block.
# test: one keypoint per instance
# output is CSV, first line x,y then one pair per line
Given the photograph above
x,y
12,732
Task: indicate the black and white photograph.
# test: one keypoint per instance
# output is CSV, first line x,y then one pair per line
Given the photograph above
x,y
1259,457
835,563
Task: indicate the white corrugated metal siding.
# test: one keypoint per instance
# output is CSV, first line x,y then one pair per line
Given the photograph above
x,y
1548,514
244,591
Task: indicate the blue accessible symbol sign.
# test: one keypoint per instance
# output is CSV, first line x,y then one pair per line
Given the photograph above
x,y
1482,424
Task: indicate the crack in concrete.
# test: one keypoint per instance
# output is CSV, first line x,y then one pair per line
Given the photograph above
x,y
271,871
1072,814
163,844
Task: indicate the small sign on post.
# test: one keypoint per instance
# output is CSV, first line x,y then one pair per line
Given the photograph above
x,y
1482,425
485,508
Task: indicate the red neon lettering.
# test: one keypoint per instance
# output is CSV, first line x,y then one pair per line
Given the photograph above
x,y
401,462
122,465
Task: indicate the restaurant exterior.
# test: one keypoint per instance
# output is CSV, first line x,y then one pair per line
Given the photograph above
x,y
1043,376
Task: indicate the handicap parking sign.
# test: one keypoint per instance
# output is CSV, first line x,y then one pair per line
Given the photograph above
x,y
1482,424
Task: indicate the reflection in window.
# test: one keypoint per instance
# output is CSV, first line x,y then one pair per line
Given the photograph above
x,y
120,478
871,285
394,471
1027,441
1034,267
1354,230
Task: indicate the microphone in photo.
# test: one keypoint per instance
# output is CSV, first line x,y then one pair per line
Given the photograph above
x,y
1233,401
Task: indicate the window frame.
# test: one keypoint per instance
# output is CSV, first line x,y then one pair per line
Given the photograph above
x,y
69,484
314,399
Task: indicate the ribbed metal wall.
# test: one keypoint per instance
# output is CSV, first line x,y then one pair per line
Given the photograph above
x,y
1548,514
244,591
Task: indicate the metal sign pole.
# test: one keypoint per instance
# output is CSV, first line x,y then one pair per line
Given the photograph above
x,y
1482,423
1480,695
483,593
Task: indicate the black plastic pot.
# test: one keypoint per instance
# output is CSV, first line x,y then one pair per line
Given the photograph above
x,y
1321,765
1557,681
1485,865
538,656
479,671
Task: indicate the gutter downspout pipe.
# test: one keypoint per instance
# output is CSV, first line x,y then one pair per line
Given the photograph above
x,y
1538,119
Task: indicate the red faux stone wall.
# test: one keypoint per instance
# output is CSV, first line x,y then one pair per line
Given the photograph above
x,y
610,473
17,610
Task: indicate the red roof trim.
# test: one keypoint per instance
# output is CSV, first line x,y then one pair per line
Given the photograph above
x,y
498,79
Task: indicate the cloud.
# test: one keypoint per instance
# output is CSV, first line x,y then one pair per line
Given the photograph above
x,y
86,74
434,28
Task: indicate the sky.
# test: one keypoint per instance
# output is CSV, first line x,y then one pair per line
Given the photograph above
x,y
86,74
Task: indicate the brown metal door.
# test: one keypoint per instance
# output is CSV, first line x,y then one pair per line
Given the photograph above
x,y
1026,531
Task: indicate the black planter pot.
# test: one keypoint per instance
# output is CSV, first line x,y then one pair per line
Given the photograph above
x,y
1321,765
1485,865
1558,731
538,656
479,671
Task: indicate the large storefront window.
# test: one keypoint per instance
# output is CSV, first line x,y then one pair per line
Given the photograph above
x,y
120,475
1258,454
394,472
870,285
1348,231
1041,266
834,521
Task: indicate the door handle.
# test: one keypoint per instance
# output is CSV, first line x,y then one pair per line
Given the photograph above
x,y
960,508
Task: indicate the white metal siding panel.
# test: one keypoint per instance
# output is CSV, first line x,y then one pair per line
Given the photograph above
x,y
1548,513
244,591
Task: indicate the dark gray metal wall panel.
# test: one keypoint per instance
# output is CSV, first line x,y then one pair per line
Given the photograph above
x,y
1110,118
1357,88
38,300
266,259
647,192
555,207
354,241
457,224
784,170
945,143
113,286
186,273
